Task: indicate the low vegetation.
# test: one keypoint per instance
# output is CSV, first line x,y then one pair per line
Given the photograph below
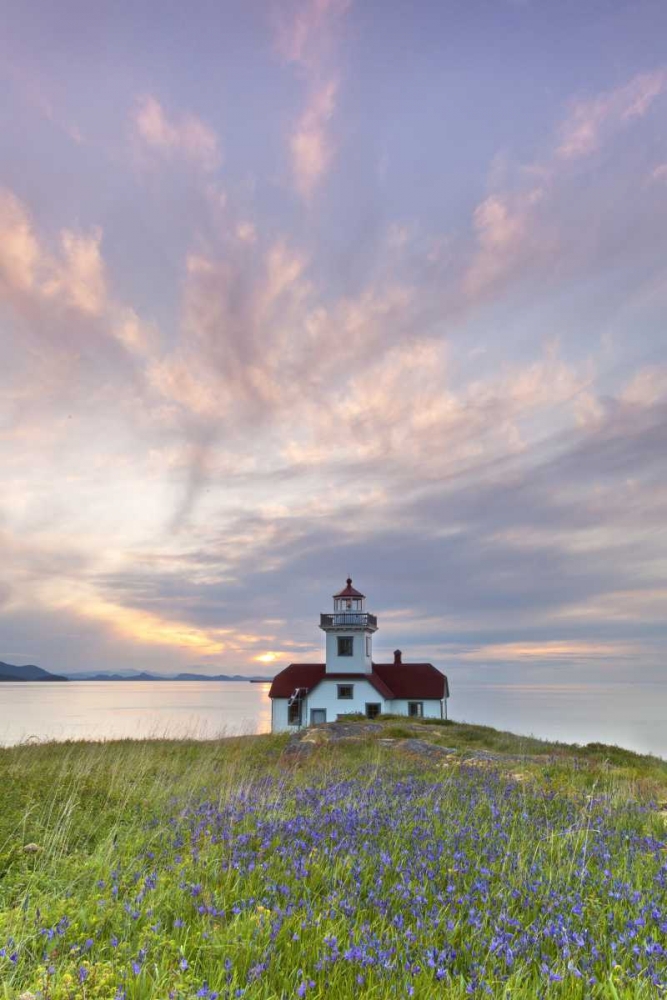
x,y
238,868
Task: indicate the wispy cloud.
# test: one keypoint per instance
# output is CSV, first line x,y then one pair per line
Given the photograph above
x,y
590,119
306,35
74,274
184,135
506,235
305,30
311,146
39,94
558,651
647,387
19,250
58,293
246,231
79,278
521,227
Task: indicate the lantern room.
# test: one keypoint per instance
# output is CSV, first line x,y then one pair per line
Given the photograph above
x,y
348,599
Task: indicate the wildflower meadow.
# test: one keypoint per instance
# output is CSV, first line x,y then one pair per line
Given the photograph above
x,y
226,869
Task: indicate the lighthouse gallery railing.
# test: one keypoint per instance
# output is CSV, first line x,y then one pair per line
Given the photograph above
x,y
351,619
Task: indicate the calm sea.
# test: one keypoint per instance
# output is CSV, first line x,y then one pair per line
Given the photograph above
x,y
628,715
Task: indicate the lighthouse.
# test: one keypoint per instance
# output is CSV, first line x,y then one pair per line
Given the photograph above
x,y
349,682
349,633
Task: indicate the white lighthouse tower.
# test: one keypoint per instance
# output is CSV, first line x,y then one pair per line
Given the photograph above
x,y
349,631
349,683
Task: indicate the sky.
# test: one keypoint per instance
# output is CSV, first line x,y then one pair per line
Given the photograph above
x,y
297,290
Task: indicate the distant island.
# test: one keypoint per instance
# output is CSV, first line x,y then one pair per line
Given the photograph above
x,y
10,672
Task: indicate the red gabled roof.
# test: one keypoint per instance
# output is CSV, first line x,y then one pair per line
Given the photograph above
x,y
391,680
413,680
297,675
348,590
309,675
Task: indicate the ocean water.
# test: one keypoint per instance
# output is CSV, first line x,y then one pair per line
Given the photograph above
x,y
102,710
629,715
633,716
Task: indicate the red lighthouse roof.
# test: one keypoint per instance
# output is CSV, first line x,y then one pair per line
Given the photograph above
x,y
348,590
391,680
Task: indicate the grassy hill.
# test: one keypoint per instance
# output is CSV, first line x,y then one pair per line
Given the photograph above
x,y
392,859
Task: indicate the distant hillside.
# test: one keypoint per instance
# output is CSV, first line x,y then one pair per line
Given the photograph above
x,y
103,675
216,677
9,672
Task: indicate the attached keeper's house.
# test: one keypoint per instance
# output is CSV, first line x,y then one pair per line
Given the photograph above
x,y
309,693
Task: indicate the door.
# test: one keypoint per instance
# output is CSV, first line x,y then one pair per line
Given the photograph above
x,y
318,715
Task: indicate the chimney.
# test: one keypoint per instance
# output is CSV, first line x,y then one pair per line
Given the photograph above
x,y
397,656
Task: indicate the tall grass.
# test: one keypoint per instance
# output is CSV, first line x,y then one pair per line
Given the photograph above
x,y
225,869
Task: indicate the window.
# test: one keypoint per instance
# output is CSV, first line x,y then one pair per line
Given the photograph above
x,y
372,710
294,714
345,645
368,645
318,716
416,709
346,690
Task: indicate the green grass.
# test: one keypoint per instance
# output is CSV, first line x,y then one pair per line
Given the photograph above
x,y
385,852
577,765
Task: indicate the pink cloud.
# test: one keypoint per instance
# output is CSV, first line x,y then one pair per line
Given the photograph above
x,y
76,277
304,31
187,135
45,284
79,278
554,650
647,387
310,144
136,336
582,131
19,249
406,410
517,228
503,226
246,231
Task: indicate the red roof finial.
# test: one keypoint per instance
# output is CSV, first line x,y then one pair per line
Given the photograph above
x,y
349,581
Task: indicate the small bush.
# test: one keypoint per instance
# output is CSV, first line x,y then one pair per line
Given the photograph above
x,y
397,732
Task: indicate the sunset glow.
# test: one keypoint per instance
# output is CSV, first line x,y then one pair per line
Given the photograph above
x,y
307,289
